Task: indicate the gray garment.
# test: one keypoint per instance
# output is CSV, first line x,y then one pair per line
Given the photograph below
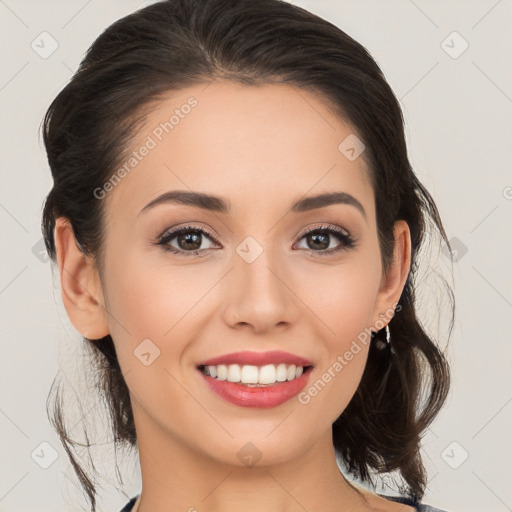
x,y
420,507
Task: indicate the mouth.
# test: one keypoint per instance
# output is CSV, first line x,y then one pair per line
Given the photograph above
x,y
256,379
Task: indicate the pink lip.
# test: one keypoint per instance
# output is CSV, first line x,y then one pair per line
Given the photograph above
x,y
257,358
258,397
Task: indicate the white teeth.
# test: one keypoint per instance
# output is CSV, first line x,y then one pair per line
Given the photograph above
x,y
222,371
249,374
256,375
233,373
281,373
267,374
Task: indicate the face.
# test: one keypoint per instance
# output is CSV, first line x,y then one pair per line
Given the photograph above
x,y
258,275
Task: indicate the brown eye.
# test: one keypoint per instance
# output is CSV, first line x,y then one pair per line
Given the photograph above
x,y
188,240
320,240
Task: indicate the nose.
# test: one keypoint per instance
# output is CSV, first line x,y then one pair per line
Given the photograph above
x,y
260,295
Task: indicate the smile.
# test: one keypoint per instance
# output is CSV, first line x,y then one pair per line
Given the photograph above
x,y
256,379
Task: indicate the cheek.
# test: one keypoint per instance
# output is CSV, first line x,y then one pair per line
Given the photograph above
x,y
344,301
151,318
155,301
343,298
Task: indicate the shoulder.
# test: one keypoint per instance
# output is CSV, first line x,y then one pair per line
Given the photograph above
x,y
421,507
129,506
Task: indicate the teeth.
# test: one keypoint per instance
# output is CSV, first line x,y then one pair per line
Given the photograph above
x,y
267,374
281,373
255,375
290,372
233,373
249,374
222,371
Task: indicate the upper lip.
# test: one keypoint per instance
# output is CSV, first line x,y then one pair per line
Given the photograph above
x,y
257,358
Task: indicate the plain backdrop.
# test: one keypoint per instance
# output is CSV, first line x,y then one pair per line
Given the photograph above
x,y
449,64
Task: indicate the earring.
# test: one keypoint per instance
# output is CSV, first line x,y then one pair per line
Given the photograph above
x,y
381,345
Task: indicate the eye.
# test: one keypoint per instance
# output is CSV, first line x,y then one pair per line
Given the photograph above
x,y
319,238
187,240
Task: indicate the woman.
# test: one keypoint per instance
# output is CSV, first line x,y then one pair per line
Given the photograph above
x,y
236,225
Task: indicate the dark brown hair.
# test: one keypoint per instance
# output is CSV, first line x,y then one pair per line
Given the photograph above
x,y
173,44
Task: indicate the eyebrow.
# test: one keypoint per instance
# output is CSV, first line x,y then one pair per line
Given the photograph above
x,y
220,205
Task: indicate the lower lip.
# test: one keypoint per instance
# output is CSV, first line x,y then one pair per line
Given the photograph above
x,y
258,397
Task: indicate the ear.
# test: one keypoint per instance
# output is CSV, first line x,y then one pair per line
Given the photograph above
x,y
392,283
82,294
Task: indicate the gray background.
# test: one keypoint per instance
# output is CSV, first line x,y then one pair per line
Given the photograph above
x,y
457,106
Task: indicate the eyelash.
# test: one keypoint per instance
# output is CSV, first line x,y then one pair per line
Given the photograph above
x,y
347,242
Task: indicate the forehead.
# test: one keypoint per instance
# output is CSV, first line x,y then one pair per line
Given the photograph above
x,y
251,144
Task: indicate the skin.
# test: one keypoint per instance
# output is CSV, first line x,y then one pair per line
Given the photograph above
x,y
261,148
